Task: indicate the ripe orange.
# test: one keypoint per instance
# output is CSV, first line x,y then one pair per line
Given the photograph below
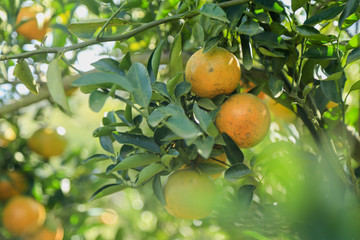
x,y
189,194
15,184
213,73
23,215
279,111
47,142
245,118
31,29
48,234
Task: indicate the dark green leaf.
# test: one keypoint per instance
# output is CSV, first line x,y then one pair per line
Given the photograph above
x,y
171,84
330,90
158,190
232,151
182,126
125,150
154,62
97,100
108,65
249,27
182,89
322,52
312,33
104,131
156,117
205,146
55,85
138,120
326,14
137,140
198,33
245,196
136,160
107,190
205,120
121,115
140,81
350,8
103,79
176,62
88,29
211,43
23,73
211,167
271,5
106,143
270,40
276,86
206,103
236,172
355,86
148,172
246,52
214,11
97,157
268,53
92,5
126,62
161,88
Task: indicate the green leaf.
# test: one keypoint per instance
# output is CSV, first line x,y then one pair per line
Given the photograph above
x,y
205,146
55,85
92,5
97,157
198,33
355,86
156,117
326,14
166,159
236,172
140,81
353,56
354,42
296,4
312,33
350,8
171,84
23,73
206,103
88,29
321,52
232,151
97,100
126,62
271,5
182,89
108,65
268,53
176,62
136,160
211,43
182,126
137,140
161,88
158,189
276,86
245,196
154,62
212,10
246,52
106,143
149,171
249,27
270,40
103,80
107,190
203,118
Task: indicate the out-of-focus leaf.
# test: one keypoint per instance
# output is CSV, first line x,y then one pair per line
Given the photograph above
x,y
276,86
232,151
355,86
296,4
214,11
271,5
97,100
23,73
107,190
198,33
158,190
149,171
55,85
268,53
140,81
88,29
236,172
103,79
136,160
97,157
245,195
350,8
205,146
354,42
137,140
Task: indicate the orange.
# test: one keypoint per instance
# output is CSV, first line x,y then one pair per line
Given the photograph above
x,y
47,234
30,28
279,111
213,73
15,184
47,142
23,215
245,118
189,194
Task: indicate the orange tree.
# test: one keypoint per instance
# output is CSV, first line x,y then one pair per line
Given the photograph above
x,y
301,182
